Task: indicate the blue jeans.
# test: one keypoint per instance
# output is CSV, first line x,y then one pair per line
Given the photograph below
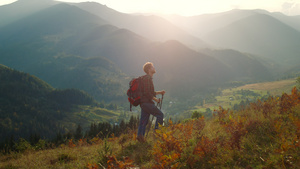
x,y
146,110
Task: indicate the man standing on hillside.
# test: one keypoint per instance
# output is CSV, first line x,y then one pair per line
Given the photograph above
x,y
147,104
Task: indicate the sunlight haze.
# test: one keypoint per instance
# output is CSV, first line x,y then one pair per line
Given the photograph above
x,y
194,7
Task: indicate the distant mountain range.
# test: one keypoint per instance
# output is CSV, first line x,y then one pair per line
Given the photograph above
x,y
152,27
22,8
270,35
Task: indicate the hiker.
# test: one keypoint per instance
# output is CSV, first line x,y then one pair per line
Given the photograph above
x,y
147,105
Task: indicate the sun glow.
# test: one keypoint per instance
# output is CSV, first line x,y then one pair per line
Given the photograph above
x,y
193,7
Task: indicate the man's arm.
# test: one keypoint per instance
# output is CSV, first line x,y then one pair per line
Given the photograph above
x,y
156,99
160,92
156,93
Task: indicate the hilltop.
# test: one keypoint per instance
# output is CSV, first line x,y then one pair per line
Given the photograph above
x,y
263,135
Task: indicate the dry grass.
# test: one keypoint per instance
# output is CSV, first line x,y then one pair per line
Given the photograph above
x,y
263,135
65,157
272,87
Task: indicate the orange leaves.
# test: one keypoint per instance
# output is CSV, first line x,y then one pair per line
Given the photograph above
x,y
198,126
205,147
204,152
96,140
82,142
287,102
287,133
174,140
267,109
169,160
113,162
221,114
92,166
237,130
71,144
235,127
297,124
171,141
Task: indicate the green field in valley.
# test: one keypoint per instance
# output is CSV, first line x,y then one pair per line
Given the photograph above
x,y
251,92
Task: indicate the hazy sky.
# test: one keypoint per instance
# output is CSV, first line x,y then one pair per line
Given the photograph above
x,y
194,7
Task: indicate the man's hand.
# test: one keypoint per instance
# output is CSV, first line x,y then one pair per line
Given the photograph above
x,y
161,92
156,99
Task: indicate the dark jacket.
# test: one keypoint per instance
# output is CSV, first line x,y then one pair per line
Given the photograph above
x,y
147,89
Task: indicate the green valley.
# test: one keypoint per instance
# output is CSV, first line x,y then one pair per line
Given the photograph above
x,y
235,97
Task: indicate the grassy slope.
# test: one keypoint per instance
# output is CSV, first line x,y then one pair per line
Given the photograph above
x,y
85,115
264,135
275,88
262,89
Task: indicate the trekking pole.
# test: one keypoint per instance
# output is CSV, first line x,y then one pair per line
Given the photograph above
x,y
159,104
161,101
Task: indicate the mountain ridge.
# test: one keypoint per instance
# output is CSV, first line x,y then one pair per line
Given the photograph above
x,y
53,45
22,8
275,38
152,27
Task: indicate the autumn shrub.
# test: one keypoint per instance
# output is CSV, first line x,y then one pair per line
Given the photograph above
x,y
204,153
235,127
71,143
114,163
288,102
175,144
198,127
167,149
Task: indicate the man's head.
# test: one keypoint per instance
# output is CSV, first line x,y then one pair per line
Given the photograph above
x,y
149,68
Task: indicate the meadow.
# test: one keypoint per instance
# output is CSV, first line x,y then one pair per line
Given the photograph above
x,y
251,92
265,134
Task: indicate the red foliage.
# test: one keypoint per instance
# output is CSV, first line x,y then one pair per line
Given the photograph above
x,y
287,102
113,163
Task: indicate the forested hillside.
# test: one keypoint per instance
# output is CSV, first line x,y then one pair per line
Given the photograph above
x,y
30,106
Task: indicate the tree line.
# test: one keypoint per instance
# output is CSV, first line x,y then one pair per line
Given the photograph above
x,y
101,130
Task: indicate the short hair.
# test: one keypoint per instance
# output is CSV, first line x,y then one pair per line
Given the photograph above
x,y
147,66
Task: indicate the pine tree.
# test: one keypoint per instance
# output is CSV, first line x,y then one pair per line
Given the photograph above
x,y
78,133
132,123
122,126
59,138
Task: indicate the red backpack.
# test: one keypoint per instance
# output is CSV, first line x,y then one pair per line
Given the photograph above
x,y
134,91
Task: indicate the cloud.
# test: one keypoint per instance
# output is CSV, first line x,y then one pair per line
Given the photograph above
x,y
291,8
